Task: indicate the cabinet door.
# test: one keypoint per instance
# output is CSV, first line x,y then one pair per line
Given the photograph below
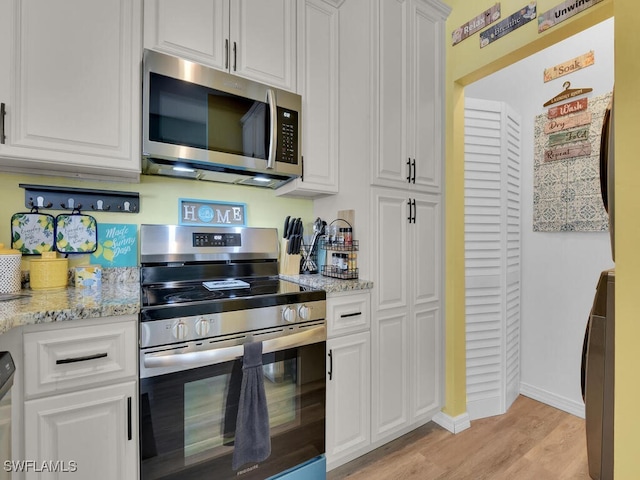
x,y
348,396
391,166
71,85
196,30
390,247
318,84
425,240
263,41
427,71
91,434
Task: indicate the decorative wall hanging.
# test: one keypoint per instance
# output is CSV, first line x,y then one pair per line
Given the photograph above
x,y
206,212
566,180
562,12
472,26
117,245
567,108
567,93
565,123
508,25
32,233
570,66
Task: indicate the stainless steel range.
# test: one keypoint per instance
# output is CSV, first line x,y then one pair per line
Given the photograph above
x,y
206,292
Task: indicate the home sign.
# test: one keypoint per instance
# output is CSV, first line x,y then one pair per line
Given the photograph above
x,y
211,213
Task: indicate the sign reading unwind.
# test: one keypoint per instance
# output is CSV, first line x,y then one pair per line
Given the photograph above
x,y
205,212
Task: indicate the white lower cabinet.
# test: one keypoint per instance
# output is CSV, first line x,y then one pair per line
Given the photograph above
x,y
81,399
87,434
348,431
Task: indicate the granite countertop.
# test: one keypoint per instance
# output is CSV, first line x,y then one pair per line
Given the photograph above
x,y
329,284
119,294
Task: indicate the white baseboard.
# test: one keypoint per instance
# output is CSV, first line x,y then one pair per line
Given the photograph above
x,y
453,424
556,401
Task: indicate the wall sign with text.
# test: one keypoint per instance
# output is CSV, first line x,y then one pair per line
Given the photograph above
x,y
212,213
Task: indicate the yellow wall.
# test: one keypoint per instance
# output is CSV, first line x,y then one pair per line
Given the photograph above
x,y
466,62
158,201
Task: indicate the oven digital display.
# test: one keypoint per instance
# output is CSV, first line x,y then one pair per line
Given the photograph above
x,y
217,240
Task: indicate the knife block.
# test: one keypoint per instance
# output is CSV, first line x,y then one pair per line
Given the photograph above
x,y
289,264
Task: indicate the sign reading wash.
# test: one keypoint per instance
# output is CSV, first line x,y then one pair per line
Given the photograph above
x,y
212,213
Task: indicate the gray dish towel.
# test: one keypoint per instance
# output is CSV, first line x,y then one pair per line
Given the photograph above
x,y
252,442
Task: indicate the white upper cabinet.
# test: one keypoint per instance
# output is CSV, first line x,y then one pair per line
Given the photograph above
x,y
318,60
410,93
70,86
255,40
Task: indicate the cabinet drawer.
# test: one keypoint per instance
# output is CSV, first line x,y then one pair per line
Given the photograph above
x,y
348,313
69,358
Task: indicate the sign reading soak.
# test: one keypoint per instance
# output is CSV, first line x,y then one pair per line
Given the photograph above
x,y
211,213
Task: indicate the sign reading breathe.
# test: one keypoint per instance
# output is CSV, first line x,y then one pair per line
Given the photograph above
x,y
212,213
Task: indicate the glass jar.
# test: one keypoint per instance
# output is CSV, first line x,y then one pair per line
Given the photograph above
x,y
347,234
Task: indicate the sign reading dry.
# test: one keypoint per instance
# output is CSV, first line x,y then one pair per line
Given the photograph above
x,y
571,151
472,26
557,125
567,108
578,63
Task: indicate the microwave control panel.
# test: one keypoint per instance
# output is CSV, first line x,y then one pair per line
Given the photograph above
x,y
287,136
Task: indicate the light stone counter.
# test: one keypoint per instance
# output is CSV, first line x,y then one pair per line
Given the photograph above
x,y
118,295
329,284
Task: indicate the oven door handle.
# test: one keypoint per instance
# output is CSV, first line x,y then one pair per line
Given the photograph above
x,y
220,355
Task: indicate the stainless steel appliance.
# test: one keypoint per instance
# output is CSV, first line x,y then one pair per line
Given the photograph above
x,y
598,379
598,350
7,371
206,292
206,124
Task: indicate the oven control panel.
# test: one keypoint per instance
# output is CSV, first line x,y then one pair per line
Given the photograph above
x,y
216,239
198,327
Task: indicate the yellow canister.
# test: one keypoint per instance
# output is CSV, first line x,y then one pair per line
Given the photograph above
x,y
49,272
9,270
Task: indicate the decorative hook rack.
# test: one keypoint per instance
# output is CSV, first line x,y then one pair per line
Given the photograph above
x,y
69,198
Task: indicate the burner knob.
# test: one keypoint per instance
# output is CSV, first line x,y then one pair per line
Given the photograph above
x,y
289,314
202,327
304,312
180,331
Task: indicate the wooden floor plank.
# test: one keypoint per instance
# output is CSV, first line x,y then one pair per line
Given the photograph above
x,y
531,441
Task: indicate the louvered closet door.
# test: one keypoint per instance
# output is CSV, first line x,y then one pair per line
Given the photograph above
x,y
492,256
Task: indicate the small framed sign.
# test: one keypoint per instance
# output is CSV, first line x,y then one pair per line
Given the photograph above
x,y
211,213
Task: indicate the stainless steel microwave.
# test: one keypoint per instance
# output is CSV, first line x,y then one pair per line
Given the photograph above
x,y
207,124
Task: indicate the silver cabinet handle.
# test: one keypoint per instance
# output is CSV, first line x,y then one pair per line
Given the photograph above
x,y
215,356
273,133
3,112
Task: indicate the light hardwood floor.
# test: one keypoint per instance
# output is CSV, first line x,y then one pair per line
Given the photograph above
x,y
532,441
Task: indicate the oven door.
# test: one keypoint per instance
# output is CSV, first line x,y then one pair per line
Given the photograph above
x,y
187,417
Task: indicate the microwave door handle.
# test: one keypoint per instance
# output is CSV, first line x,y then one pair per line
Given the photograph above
x,y
273,133
220,355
